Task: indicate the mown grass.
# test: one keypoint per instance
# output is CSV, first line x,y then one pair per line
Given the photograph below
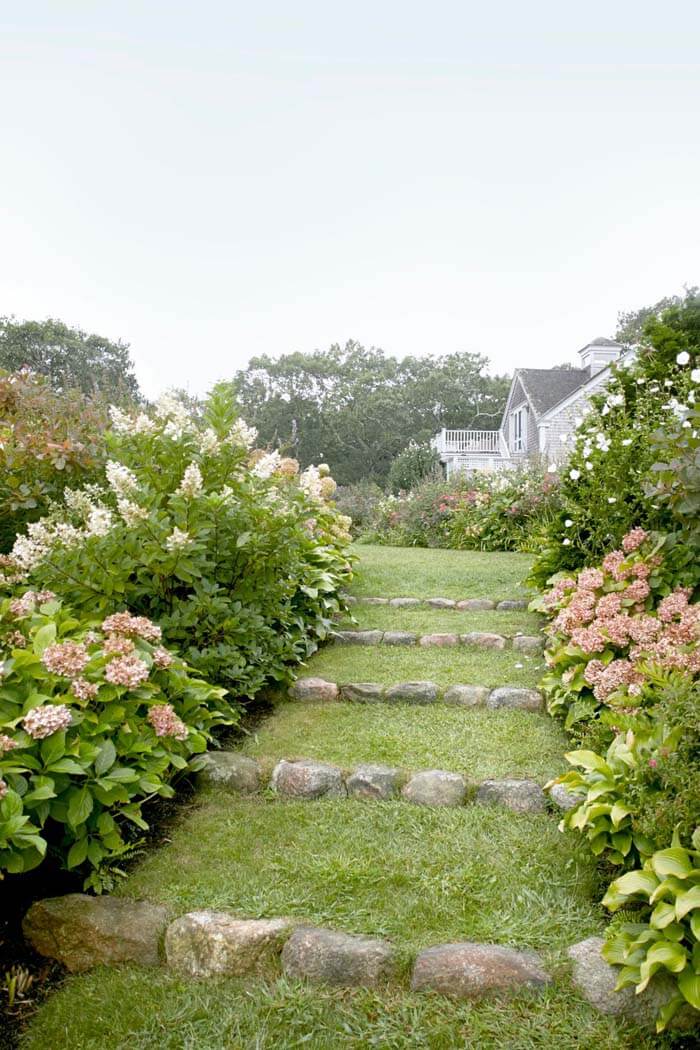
x,y
390,664
414,572
133,1009
478,743
424,620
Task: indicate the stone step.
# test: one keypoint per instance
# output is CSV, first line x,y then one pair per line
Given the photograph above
x,y
523,643
311,779
314,690
462,605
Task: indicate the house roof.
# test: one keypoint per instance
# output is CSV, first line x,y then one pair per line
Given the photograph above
x,y
546,387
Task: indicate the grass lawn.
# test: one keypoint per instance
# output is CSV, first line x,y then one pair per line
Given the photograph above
x,y
414,572
478,743
391,664
424,620
132,1009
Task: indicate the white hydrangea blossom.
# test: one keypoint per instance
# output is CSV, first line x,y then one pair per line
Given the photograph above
x,y
267,465
241,434
122,481
192,482
310,482
99,521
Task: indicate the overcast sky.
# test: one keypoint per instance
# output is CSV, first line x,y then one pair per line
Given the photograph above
x,y
212,180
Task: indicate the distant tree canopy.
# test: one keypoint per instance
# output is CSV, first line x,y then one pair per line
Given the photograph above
x,y
357,407
70,358
632,324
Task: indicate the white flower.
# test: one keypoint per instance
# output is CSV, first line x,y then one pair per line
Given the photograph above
x,y
605,410
267,466
668,382
578,420
192,483
574,475
616,400
612,499
568,523
695,375
177,539
208,442
589,465
686,423
310,482
99,521
641,381
566,542
626,441
131,513
552,468
121,422
122,481
241,434
143,424
683,357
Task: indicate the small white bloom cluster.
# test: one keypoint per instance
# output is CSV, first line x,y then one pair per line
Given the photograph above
x,y
177,539
174,414
122,481
241,434
99,521
267,465
208,442
122,423
192,482
130,512
41,722
311,482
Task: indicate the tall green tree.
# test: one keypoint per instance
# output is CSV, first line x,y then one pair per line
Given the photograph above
x,y
70,358
357,407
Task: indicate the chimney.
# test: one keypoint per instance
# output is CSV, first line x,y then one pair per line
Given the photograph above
x,y
600,353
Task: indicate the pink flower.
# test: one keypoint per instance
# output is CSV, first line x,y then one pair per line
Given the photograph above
x,y
609,605
24,605
118,645
3,788
83,690
42,721
65,658
634,539
17,640
590,579
674,604
638,591
166,723
614,563
162,658
125,623
653,763
6,743
129,671
589,639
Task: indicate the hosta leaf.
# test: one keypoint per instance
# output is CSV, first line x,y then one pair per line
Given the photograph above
x,y
663,914
688,901
589,760
633,882
689,984
618,813
674,861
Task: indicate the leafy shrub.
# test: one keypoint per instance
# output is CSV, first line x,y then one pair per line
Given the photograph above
x,y
360,502
48,440
667,889
411,466
675,482
479,511
94,720
605,483
238,558
614,625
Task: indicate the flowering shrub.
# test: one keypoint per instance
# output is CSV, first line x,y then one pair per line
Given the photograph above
x,y
237,556
480,511
94,720
666,892
607,482
415,462
47,440
614,625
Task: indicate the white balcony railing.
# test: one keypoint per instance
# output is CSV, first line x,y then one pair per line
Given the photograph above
x,y
468,442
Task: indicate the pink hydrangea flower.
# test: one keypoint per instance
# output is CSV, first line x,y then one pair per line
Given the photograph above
x,y
634,539
118,645
129,671
638,591
65,658
674,604
125,623
84,690
162,658
42,721
589,639
609,605
614,564
166,723
7,743
590,579
3,788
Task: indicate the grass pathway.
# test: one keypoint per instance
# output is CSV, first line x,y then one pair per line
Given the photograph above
x,y
419,876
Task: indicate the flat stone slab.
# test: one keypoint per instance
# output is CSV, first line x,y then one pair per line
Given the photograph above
x,y
484,640
436,787
513,605
596,979
404,603
515,697
440,640
204,943
82,931
341,959
522,796
470,971
362,692
413,692
564,798
466,695
526,643
374,782
231,771
313,689
306,779
359,637
374,601
475,605
400,638
441,603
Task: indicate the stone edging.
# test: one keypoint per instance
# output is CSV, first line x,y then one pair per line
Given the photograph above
x,y
464,605
314,690
82,932
523,643
310,779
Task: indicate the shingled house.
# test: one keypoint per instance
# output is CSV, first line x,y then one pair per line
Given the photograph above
x,y
543,405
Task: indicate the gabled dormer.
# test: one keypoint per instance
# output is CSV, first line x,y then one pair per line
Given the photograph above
x,y
598,354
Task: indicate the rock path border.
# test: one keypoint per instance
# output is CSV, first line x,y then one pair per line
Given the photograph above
x,y
460,605
524,643
320,690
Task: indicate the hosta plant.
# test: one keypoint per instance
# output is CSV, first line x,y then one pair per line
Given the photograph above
x,y
95,719
666,892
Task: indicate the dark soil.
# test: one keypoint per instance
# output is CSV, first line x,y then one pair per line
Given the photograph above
x,y
18,892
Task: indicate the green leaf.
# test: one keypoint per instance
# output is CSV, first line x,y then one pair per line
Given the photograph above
x,y
687,902
106,758
77,853
663,914
44,637
79,806
589,760
243,539
674,861
53,747
618,814
689,985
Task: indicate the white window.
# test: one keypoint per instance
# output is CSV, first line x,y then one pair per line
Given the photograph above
x,y
520,429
